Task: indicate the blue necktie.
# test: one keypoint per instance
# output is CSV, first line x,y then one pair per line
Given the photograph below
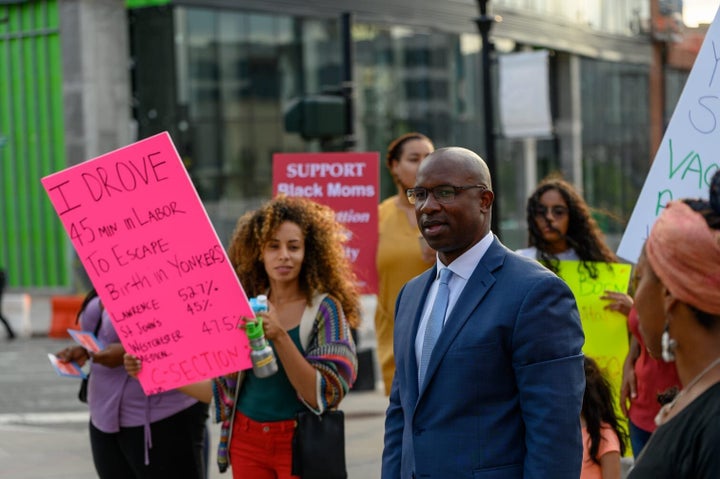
x,y
434,323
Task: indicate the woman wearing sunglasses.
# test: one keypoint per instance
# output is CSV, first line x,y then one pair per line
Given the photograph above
x,y
560,227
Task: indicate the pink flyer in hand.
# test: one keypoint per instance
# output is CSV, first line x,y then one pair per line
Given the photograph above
x,y
87,340
70,369
147,244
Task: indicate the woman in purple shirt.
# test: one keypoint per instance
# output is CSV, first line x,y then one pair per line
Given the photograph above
x,y
133,435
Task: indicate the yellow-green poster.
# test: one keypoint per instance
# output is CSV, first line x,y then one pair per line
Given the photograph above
x,y
606,333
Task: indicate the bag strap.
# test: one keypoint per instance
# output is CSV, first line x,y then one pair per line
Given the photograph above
x,y
99,322
97,326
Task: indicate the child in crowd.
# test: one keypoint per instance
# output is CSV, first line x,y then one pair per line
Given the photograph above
x,y
603,436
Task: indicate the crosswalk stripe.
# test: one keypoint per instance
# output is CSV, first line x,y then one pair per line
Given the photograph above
x,y
44,418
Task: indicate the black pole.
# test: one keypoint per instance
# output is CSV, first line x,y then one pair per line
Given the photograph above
x,y
484,24
347,80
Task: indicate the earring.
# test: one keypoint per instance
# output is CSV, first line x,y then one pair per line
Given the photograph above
x,y
668,345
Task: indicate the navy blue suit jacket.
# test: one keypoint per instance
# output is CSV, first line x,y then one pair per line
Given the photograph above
x,y
504,385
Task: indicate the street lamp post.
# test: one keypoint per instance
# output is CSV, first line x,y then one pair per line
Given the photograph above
x,y
347,81
484,23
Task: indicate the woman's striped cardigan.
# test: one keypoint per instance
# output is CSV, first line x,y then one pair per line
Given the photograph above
x,y
329,348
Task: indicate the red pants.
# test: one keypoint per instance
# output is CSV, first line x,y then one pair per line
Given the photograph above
x,y
261,450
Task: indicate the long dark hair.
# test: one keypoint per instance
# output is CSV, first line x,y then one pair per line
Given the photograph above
x,y
88,297
599,407
583,234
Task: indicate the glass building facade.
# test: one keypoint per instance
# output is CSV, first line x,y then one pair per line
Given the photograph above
x,y
220,77
615,141
234,73
620,17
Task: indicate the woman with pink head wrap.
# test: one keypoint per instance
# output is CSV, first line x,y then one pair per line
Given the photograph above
x,y
678,302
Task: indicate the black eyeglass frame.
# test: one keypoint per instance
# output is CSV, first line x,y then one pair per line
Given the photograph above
x,y
411,195
557,211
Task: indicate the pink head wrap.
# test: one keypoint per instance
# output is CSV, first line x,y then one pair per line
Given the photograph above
x,y
685,254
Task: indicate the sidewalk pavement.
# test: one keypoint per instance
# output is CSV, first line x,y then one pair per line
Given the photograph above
x,y
43,427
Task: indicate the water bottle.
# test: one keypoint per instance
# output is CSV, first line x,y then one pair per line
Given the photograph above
x,y
261,355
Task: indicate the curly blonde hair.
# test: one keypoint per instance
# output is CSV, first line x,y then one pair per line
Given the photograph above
x,y
325,267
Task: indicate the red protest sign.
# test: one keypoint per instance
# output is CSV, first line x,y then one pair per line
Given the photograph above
x,y
347,183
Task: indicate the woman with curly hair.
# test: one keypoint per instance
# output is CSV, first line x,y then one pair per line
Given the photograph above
x,y
560,227
290,249
603,436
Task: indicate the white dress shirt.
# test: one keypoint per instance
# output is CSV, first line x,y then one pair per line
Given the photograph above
x,y
462,269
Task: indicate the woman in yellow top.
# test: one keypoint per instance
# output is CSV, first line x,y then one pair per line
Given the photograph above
x,y
402,253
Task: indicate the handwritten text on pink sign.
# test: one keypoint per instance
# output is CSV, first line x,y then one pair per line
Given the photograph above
x,y
146,242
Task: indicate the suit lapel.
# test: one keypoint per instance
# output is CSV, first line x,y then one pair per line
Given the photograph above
x,y
469,300
414,310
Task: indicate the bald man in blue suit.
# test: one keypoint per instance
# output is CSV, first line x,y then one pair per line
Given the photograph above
x,y
501,394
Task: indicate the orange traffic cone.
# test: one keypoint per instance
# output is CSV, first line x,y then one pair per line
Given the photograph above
x,y
64,314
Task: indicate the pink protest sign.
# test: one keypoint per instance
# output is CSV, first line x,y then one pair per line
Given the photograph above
x,y
146,242
347,183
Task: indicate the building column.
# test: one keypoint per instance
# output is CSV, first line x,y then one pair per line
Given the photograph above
x,y
656,87
96,86
569,124
96,79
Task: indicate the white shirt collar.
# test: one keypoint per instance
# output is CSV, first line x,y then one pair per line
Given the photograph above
x,y
465,264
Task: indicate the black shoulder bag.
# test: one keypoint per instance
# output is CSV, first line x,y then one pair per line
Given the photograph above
x,y
318,445
82,393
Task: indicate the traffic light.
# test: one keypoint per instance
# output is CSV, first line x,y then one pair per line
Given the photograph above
x,y
316,116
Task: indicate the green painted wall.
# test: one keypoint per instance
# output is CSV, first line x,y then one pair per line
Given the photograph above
x,y
33,245
145,3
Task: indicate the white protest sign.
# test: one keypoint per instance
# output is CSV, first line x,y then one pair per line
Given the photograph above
x,y
688,155
524,105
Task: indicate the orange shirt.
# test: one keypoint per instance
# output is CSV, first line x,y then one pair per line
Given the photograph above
x,y
609,442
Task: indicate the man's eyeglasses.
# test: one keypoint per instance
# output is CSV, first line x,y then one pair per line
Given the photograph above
x,y
557,211
443,193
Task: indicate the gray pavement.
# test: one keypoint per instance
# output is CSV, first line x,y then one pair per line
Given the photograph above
x,y
43,427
